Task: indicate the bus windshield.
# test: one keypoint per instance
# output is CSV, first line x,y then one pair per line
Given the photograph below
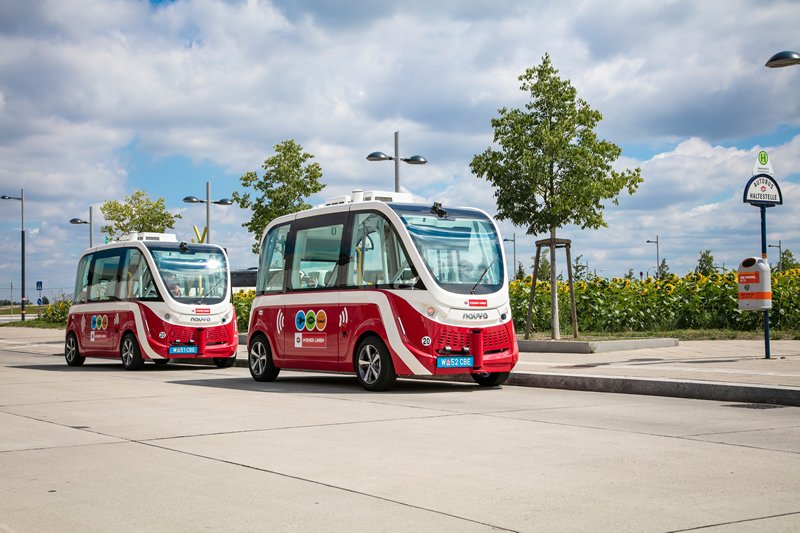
x,y
462,251
198,274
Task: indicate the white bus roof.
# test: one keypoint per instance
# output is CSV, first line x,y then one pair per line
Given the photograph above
x,y
366,196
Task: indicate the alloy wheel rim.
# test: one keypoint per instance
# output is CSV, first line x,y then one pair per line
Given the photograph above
x,y
70,349
369,364
127,351
258,358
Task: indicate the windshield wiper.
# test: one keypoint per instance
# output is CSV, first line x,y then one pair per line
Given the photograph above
x,y
209,291
484,273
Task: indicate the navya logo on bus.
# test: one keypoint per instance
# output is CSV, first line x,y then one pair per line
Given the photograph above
x,y
310,320
475,316
200,318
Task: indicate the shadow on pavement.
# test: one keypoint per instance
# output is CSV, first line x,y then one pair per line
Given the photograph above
x,y
114,366
330,384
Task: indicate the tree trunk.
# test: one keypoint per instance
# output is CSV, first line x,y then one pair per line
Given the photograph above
x,y
555,332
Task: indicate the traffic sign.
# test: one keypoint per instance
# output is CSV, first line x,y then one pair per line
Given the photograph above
x,y
763,165
38,285
39,301
762,189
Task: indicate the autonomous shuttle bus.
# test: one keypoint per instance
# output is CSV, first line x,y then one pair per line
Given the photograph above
x,y
373,285
149,296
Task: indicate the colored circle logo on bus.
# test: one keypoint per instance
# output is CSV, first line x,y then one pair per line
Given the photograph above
x,y
99,322
322,319
311,320
300,320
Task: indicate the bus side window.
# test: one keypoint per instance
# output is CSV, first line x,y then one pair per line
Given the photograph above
x,y
105,274
316,257
377,258
80,296
272,260
137,281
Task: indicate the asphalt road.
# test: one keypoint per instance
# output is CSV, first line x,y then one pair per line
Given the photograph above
x,y
188,448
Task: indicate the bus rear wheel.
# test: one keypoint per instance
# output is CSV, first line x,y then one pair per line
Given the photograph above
x,y
224,362
260,360
71,351
490,379
374,368
130,353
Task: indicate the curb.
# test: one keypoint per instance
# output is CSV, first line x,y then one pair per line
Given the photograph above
x,y
592,346
697,390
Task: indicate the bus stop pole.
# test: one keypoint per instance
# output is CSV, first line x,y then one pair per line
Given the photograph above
x,y
764,256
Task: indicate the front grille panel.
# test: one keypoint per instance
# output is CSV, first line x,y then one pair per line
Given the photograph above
x,y
495,339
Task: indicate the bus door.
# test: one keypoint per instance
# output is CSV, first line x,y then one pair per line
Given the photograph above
x,y
98,317
271,312
311,335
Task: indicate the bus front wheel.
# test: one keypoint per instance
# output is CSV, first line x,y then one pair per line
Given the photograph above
x,y
71,351
374,368
490,379
260,360
130,353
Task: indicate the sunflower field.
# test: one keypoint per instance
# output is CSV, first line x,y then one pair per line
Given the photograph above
x,y
693,301
242,302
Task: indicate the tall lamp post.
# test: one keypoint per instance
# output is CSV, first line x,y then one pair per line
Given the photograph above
x,y
780,255
514,240
91,225
413,160
208,202
21,199
658,259
783,59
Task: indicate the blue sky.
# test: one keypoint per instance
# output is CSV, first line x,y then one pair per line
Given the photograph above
x,y
99,99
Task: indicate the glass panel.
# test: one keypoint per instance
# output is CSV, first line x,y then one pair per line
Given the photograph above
x,y
81,293
196,274
137,280
461,251
316,257
272,261
104,276
377,258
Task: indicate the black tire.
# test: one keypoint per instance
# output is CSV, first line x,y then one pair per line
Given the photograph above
x,y
71,354
259,357
161,362
224,362
492,379
373,365
130,353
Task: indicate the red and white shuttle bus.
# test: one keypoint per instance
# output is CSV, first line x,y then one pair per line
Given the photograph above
x,y
150,297
371,285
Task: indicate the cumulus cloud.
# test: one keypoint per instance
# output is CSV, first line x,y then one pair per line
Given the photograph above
x,y
221,82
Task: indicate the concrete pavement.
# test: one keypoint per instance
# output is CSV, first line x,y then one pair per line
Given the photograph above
x,y
190,447
712,370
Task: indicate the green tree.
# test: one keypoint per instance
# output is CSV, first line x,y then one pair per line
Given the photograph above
x,y
579,269
705,264
664,270
137,213
786,261
288,180
544,266
520,271
551,169
630,275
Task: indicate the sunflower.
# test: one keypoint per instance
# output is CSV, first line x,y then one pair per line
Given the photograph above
x,y
642,293
668,288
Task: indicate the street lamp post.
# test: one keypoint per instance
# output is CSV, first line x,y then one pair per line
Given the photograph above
x,y
783,59
514,240
91,225
780,255
413,160
658,259
21,199
208,202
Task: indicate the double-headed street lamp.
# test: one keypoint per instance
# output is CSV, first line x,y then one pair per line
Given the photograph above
x,y
413,160
658,259
91,225
21,199
208,202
